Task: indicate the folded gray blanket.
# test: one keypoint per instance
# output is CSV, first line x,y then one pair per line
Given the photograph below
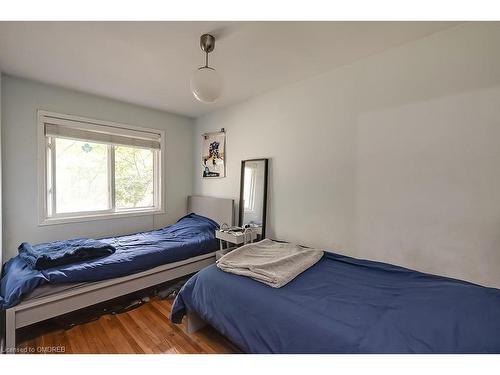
x,y
272,263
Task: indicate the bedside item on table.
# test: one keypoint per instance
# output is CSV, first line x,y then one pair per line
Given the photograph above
x,y
253,195
234,229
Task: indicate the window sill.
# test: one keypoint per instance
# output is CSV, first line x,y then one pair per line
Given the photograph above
x,y
95,217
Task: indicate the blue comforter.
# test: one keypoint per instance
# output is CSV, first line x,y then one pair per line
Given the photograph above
x,y
59,253
347,305
191,236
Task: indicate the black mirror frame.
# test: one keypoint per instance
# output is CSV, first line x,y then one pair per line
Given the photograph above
x,y
264,208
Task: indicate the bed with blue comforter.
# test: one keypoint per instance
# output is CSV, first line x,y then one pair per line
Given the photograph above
x,y
191,236
347,305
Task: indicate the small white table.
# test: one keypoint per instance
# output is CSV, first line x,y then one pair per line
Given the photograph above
x,y
231,240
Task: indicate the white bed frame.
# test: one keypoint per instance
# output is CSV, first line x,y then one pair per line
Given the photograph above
x,y
194,322
38,309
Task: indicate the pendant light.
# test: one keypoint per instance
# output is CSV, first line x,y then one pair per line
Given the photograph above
x,y
206,83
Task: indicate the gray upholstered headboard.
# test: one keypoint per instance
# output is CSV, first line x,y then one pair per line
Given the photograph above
x,y
217,209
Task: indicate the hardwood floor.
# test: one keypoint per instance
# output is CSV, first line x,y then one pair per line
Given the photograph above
x,y
145,329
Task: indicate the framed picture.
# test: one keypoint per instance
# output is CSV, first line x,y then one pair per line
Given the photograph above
x,y
213,157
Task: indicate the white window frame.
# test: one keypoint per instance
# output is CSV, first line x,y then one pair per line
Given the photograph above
x,y
43,181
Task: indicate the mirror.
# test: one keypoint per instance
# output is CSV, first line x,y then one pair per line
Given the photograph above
x,y
253,195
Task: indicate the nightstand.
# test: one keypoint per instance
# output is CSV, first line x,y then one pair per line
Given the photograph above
x,y
235,238
231,240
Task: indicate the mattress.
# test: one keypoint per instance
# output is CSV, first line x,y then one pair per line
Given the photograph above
x,y
346,305
191,236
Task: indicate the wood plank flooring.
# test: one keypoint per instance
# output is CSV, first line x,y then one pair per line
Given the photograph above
x,y
145,329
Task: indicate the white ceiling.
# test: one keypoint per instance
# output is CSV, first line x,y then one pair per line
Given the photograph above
x,y
150,63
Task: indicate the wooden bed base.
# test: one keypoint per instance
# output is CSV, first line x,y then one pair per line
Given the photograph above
x,y
38,309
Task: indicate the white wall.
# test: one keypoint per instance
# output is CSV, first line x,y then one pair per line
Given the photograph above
x,y
20,100
394,158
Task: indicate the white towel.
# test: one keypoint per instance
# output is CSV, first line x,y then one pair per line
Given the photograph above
x,y
272,263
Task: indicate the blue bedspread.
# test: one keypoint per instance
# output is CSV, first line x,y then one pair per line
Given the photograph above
x,y
191,236
347,305
58,253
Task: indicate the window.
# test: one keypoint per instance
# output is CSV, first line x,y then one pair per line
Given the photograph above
x,y
94,169
249,188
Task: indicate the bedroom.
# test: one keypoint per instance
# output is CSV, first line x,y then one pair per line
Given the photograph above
x,y
204,186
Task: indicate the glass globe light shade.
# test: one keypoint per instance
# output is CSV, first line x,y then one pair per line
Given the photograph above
x,y
206,84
